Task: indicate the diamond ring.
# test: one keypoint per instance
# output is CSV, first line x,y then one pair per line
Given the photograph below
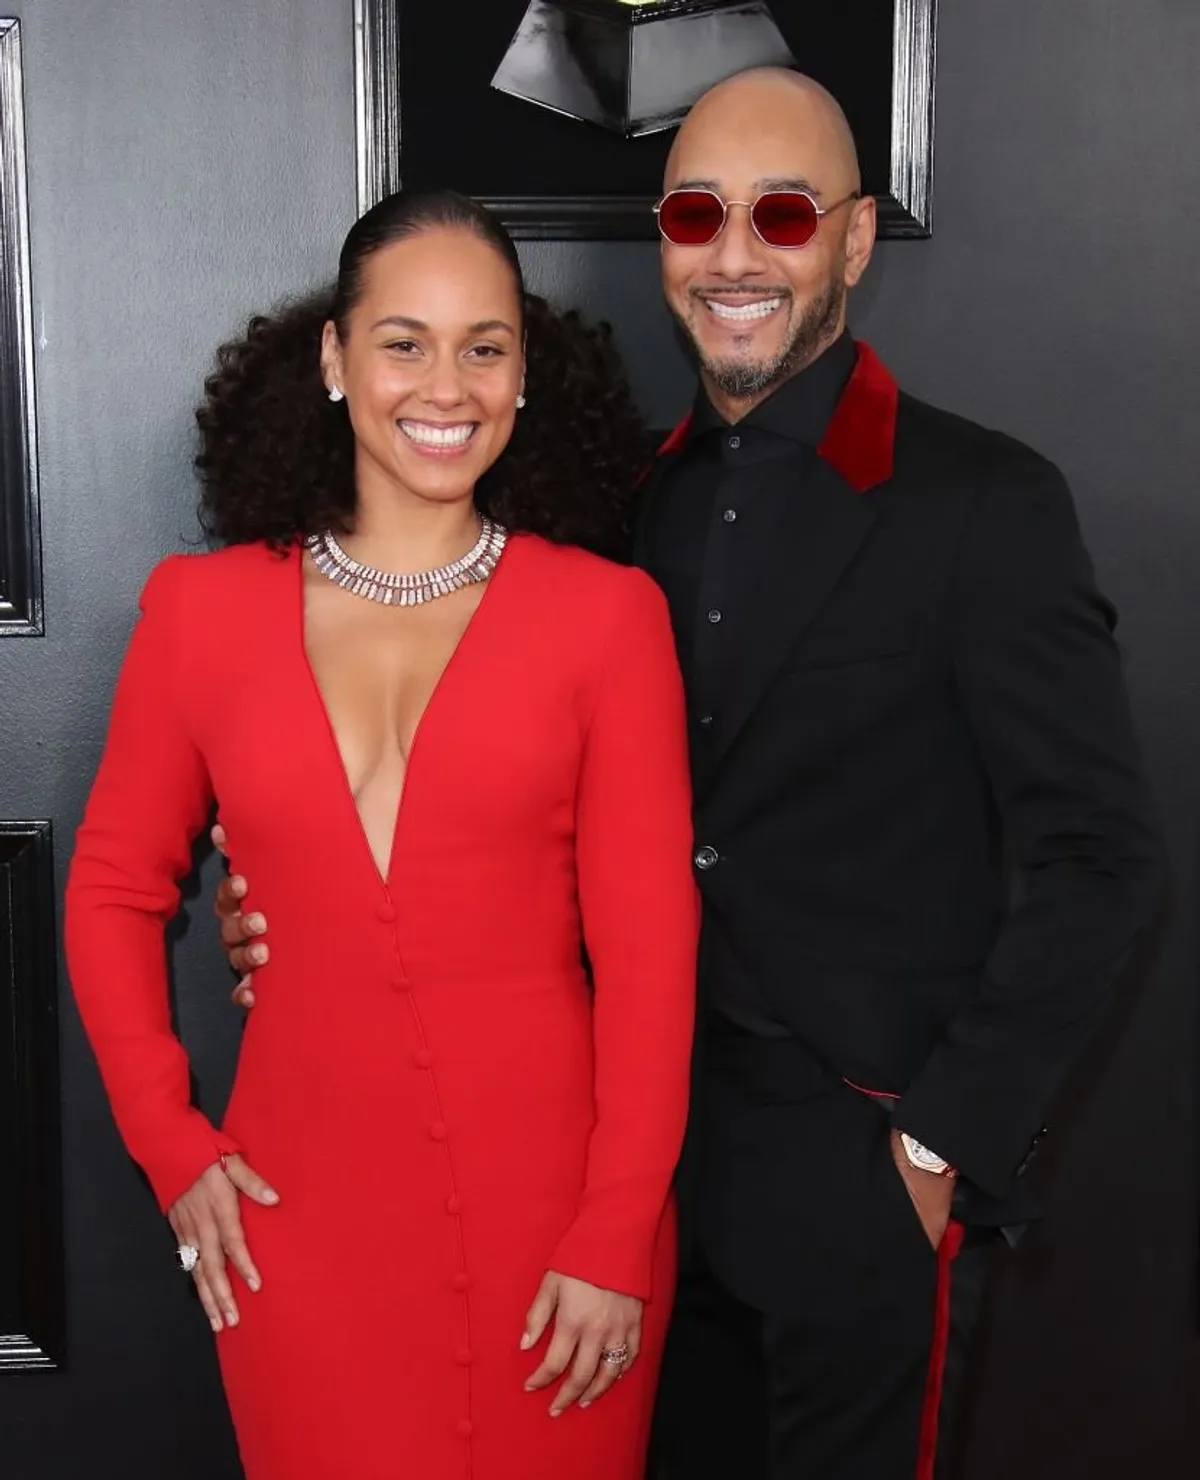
x,y
188,1256
615,1356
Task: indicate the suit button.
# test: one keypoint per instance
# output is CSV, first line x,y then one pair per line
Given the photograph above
x,y
462,1357
423,1059
706,721
730,516
386,913
461,1283
464,1428
706,857
714,616
437,1131
454,1206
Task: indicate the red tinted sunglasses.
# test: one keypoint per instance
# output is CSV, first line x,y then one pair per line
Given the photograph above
x,y
780,218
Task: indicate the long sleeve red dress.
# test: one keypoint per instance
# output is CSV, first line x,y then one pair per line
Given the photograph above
x,y
446,1103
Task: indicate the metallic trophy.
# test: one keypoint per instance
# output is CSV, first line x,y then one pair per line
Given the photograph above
x,y
635,66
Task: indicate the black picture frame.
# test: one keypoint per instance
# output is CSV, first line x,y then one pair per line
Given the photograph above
x,y
31,1235
898,167
21,611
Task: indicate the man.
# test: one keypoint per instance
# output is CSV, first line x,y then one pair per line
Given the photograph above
x,y
921,835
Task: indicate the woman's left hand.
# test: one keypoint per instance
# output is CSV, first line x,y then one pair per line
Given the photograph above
x,y
588,1321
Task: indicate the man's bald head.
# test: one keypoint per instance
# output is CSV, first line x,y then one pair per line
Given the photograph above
x,y
755,314
772,97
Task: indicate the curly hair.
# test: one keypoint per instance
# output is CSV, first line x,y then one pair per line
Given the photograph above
x,y
276,458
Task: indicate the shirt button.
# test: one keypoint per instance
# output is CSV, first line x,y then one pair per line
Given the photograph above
x,y
461,1282
734,443
423,1059
386,913
464,1428
462,1357
706,857
714,616
437,1131
706,721
454,1206
730,516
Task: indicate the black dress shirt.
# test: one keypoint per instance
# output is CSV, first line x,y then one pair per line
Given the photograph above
x,y
704,520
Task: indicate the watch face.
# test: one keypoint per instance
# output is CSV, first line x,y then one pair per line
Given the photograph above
x,y
922,1157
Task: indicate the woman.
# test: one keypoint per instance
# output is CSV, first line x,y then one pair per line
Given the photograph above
x,y
468,1145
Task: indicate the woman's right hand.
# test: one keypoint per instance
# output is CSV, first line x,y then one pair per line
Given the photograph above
x,y
208,1217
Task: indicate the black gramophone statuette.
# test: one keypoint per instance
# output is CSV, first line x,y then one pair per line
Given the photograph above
x,y
635,66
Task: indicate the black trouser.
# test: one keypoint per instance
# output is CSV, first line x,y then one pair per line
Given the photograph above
x,y
817,1335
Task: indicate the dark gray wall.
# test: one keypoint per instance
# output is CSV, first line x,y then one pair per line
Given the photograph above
x,y
191,160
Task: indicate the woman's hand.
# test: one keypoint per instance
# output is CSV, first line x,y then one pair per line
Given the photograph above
x,y
587,1322
207,1217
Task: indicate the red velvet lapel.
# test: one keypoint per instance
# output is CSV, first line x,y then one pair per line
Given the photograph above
x,y
861,439
860,442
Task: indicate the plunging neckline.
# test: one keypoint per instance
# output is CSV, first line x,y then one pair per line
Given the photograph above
x,y
343,779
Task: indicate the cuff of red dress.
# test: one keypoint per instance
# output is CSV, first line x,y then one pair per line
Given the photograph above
x,y
174,1160
610,1254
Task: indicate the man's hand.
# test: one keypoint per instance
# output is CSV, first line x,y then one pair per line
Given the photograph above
x,y
931,1195
240,934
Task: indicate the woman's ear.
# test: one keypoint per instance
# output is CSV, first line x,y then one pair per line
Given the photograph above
x,y
332,366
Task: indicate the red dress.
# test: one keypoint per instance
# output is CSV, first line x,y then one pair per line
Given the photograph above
x,y
445,1106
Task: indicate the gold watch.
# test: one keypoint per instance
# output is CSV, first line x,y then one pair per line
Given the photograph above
x,y
923,1159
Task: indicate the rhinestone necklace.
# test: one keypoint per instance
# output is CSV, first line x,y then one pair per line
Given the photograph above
x,y
409,589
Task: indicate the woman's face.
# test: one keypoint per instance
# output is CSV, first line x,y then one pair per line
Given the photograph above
x,y
432,364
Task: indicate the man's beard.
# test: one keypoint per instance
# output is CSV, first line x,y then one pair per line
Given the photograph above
x,y
742,379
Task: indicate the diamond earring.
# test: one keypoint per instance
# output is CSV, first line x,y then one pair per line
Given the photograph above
x,y
336,393
521,401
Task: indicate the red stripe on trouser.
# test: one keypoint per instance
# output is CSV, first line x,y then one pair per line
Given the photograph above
x,y
946,1255
931,1409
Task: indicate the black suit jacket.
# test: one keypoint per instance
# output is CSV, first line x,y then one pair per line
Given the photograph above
x,y
933,847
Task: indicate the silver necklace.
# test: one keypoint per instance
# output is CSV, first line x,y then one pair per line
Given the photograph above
x,y
393,588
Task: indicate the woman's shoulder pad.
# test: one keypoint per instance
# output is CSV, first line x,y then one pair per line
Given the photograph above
x,y
196,572
580,570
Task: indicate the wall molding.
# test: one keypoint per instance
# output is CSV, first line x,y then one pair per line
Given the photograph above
x,y
21,612
31,1235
